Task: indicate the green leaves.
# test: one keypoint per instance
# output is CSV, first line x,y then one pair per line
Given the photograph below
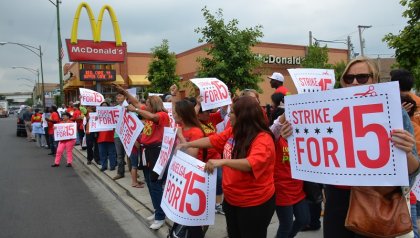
x,y
161,71
230,57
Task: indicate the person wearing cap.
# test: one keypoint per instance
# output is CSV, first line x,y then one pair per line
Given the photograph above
x,y
276,81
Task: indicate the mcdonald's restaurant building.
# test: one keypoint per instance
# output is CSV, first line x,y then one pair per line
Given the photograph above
x,y
133,71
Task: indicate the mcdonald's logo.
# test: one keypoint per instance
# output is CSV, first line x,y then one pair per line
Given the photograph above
x,y
96,50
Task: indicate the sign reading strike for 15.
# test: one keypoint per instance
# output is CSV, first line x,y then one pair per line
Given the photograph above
x,y
65,131
169,137
90,98
342,136
189,194
312,80
214,92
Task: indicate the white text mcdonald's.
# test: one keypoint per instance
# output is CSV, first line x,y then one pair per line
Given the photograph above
x,y
96,50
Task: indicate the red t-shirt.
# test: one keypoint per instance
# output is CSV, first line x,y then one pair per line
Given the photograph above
x,y
246,189
77,113
192,134
209,128
70,110
37,117
56,118
153,132
105,136
283,90
289,191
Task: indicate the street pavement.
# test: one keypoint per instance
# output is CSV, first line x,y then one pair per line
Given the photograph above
x,y
39,201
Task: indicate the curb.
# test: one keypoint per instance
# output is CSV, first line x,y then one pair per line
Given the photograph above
x,y
137,207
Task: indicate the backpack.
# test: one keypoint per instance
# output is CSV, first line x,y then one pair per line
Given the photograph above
x,y
181,231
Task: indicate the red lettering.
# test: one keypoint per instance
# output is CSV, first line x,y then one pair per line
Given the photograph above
x,y
330,152
317,162
299,149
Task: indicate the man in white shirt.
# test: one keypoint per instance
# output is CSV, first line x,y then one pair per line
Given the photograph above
x,y
61,109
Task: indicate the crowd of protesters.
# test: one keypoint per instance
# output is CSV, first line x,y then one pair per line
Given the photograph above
x,y
250,153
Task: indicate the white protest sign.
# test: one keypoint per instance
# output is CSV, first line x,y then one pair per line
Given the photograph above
x,y
93,122
155,94
416,187
65,131
107,118
342,136
132,92
169,137
312,80
214,92
128,129
168,107
90,98
37,128
190,193
222,125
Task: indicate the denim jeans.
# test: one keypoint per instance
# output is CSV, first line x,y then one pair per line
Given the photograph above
x,y
120,155
288,227
53,144
156,193
414,220
219,190
107,151
134,158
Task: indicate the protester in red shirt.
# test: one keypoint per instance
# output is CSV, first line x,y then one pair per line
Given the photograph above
x,y
156,118
107,147
54,118
290,197
248,169
276,82
36,120
77,117
67,145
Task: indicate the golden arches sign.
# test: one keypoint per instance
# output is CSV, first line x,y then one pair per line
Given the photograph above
x,y
96,26
96,50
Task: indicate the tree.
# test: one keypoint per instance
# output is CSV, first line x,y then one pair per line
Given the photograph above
x,y
29,102
338,71
231,59
161,71
316,58
407,42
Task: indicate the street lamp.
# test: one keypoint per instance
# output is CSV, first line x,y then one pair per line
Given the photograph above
x,y
38,52
34,71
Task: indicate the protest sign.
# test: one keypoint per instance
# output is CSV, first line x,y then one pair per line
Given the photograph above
x,y
65,131
214,92
342,136
168,107
106,118
416,187
37,128
155,94
128,129
169,136
312,80
93,122
90,98
189,194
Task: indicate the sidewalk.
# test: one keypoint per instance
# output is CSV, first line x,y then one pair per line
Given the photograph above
x,y
138,200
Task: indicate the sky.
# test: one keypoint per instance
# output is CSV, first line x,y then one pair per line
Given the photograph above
x,y
144,24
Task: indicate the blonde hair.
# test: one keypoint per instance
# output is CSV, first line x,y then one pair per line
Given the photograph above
x,y
156,104
373,67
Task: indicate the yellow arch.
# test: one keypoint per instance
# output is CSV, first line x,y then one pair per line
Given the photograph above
x,y
96,27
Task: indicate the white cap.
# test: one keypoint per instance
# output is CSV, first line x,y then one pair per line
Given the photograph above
x,y
277,76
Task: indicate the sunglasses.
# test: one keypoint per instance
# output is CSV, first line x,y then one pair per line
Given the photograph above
x,y
360,78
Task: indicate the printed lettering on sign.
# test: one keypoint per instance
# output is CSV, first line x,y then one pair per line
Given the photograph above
x,y
214,92
169,137
312,80
128,129
90,98
65,131
107,118
189,194
342,136
416,188
168,107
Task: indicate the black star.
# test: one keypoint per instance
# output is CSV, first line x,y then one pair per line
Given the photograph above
x,y
177,179
317,130
297,130
329,130
306,131
304,90
180,182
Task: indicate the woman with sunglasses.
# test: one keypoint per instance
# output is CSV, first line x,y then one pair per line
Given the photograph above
x,y
248,167
359,71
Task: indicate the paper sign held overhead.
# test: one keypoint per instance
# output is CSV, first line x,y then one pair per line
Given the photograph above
x,y
312,80
215,93
90,98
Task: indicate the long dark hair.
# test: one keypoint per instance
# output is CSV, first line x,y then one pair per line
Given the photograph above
x,y
249,122
185,110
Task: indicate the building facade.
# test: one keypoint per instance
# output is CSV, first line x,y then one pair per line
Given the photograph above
x,y
133,72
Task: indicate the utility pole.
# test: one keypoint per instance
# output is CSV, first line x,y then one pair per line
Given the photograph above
x,y
42,78
362,41
60,67
349,48
310,38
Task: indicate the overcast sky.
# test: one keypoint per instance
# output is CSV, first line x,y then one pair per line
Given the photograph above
x,y
145,23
